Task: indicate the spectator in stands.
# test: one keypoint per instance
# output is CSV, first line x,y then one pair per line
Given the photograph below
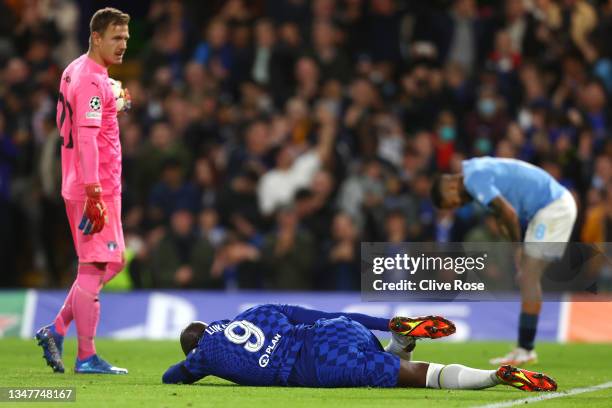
x,y
288,253
460,36
210,227
597,226
161,146
362,195
181,259
330,57
214,51
341,267
171,193
253,153
277,187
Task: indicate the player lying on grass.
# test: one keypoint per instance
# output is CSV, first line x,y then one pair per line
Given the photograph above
x,y
292,346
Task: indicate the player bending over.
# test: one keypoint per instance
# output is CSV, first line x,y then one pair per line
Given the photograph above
x,y
292,346
91,188
516,191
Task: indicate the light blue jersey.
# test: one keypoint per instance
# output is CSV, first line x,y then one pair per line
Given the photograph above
x,y
526,187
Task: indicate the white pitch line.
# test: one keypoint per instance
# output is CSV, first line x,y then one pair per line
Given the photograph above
x,y
29,309
564,316
548,396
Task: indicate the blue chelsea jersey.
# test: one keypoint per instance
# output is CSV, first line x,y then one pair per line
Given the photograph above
x,y
258,347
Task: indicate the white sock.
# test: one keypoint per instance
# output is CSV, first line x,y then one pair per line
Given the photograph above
x,y
397,346
459,377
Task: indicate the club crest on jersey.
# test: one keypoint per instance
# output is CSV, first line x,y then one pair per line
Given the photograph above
x,y
112,245
94,103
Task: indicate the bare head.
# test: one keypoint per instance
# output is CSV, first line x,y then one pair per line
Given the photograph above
x,y
191,335
108,36
448,192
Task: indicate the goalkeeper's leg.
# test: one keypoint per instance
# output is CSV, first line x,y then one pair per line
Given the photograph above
x,y
86,306
82,305
112,269
66,315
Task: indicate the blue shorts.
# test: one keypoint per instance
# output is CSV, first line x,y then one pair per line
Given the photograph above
x,y
341,352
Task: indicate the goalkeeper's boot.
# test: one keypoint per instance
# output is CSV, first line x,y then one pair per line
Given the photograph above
x,y
95,365
524,379
517,357
428,327
52,344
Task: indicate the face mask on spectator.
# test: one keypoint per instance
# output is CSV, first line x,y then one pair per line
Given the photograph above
x,y
487,107
447,133
483,145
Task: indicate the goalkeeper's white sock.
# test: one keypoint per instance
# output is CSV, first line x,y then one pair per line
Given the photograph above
x,y
459,377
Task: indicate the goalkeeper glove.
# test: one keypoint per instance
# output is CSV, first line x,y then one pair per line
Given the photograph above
x,y
127,100
95,213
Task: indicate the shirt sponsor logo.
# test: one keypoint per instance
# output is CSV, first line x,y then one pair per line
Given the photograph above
x,y
93,115
265,358
94,103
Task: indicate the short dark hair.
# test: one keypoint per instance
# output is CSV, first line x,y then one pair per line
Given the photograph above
x,y
436,191
105,17
191,335
303,194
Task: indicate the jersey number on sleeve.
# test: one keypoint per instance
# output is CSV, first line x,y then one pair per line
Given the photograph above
x,y
248,329
65,104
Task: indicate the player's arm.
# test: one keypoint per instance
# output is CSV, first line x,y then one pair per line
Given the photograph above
x,y
302,315
188,371
507,218
327,133
481,185
179,374
89,102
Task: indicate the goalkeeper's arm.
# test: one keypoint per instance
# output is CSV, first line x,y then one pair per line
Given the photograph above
x,y
94,214
89,157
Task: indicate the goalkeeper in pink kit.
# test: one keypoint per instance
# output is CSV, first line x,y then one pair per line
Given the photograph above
x,y
91,188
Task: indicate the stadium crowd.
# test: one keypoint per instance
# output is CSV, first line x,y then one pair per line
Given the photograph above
x,y
267,139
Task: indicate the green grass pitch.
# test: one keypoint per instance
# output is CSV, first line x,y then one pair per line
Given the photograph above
x,y
573,366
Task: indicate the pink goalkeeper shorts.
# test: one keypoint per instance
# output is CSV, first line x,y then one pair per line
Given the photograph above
x,y
105,246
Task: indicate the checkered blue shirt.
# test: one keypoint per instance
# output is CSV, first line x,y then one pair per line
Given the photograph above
x,y
258,347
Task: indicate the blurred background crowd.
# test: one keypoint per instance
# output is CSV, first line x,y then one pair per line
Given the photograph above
x,y
268,138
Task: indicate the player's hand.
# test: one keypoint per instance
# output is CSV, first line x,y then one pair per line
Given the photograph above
x,y
518,259
95,212
124,102
183,275
127,105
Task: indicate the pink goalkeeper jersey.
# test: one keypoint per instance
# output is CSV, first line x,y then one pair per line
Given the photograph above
x,y
86,100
